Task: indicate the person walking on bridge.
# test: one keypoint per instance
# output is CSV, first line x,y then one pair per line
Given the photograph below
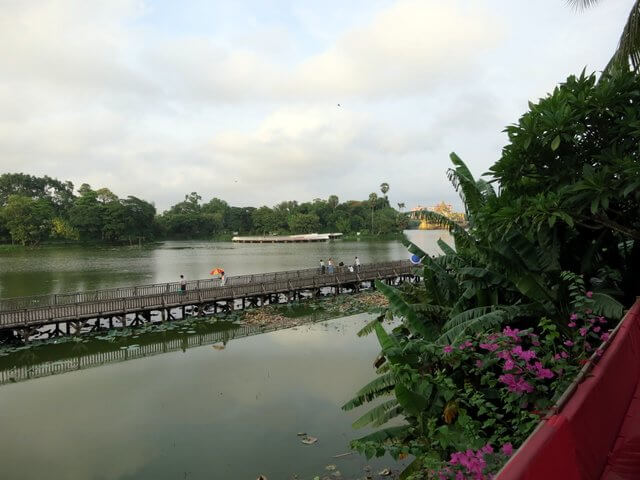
x,y
330,266
322,268
183,285
356,264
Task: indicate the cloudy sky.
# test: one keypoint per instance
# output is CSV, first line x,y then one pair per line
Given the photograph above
x,y
239,100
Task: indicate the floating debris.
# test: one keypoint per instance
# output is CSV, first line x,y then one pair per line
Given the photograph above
x,y
309,440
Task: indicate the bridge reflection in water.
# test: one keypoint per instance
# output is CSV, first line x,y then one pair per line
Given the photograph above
x,y
37,361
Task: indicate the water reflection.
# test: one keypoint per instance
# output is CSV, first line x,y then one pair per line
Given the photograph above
x,y
205,413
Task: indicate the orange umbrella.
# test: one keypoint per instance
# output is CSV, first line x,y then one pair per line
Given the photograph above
x,y
217,271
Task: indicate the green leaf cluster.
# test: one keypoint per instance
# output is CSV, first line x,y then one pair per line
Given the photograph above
x,y
559,215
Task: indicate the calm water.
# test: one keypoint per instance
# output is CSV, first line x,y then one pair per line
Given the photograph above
x,y
197,413
65,269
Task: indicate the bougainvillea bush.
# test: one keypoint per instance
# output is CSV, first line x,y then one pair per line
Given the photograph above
x,y
470,402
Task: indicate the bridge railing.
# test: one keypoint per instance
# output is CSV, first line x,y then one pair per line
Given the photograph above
x,y
74,298
121,306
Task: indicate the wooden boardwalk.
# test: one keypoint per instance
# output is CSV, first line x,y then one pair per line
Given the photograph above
x,y
95,310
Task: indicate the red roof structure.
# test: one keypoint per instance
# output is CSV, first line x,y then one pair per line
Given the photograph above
x,y
594,431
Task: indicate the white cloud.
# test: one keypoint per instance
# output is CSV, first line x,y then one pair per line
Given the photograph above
x,y
406,49
107,93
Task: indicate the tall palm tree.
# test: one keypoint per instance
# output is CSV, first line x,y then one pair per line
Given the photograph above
x,y
629,44
373,199
384,188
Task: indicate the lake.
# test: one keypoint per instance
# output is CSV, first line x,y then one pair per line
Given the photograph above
x,y
229,412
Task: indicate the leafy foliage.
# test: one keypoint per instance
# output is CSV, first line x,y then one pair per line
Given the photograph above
x,y
483,343
44,208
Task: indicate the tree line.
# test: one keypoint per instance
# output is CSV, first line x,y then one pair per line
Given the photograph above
x,y
35,209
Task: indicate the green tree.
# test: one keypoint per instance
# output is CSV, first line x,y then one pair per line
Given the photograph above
x,y
385,221
140,216
28,220
115,222
264,220
61,228
571,174
87,214
60,194
304,223
104,195
333,201
240,219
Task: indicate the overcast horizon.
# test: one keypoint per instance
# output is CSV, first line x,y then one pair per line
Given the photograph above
x,y
258,104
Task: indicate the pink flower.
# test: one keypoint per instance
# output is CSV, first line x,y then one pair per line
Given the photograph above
x,y
541,372
568,343
512,333
596,329
589,294
507,449
503,354
604,337
583,331
564,354
557,356
588,311
492,347
602,320
525,355
572,324
447,349
573,316
516,383
479,363
599,352
509,365
587,346
466,344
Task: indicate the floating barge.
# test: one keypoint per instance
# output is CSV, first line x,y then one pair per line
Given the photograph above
x,y
309,237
